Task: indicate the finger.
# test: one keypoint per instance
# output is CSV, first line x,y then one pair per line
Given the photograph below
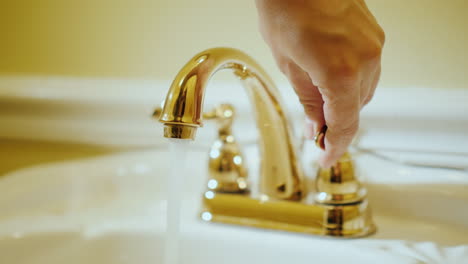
x,y
371,71
341,112
365,89
373,86
309,96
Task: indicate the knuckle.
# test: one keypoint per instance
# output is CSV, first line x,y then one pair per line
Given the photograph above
x,y
284,65
342,72
347,132
311,106
370,96
367,100
301,35
372,50
381,34
282,68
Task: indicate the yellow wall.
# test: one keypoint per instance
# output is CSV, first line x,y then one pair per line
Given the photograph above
x,y
426,39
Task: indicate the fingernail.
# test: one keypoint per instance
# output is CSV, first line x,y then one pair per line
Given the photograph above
x,y
319,138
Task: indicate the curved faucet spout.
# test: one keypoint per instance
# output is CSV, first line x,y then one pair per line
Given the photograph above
x,y
281,175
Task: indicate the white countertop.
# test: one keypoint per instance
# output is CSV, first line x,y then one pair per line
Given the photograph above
x,y
117,112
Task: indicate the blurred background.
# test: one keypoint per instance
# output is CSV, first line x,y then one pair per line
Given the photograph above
x,y
151,39
83,164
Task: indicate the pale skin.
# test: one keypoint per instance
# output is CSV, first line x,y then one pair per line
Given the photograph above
x,y
330,50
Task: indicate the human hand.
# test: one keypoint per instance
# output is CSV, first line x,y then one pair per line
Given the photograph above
x,y
330,51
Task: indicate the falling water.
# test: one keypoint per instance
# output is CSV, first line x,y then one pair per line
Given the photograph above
x,y
178,151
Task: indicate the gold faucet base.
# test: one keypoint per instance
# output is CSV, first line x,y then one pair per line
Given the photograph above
x,y
340,208
344,221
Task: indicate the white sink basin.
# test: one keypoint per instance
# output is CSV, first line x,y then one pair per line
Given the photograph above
x,y
111,210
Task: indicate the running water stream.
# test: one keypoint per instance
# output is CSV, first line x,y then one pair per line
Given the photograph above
x,y
175,183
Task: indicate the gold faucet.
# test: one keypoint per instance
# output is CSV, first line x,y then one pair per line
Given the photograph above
x,y
337,208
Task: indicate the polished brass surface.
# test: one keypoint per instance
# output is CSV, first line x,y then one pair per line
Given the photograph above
x,y
178,131
227,169
281,175
212,114
338,209
346,221
338,184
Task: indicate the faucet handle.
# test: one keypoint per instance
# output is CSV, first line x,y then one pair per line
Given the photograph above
x,y
337,184
227,170
226,165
